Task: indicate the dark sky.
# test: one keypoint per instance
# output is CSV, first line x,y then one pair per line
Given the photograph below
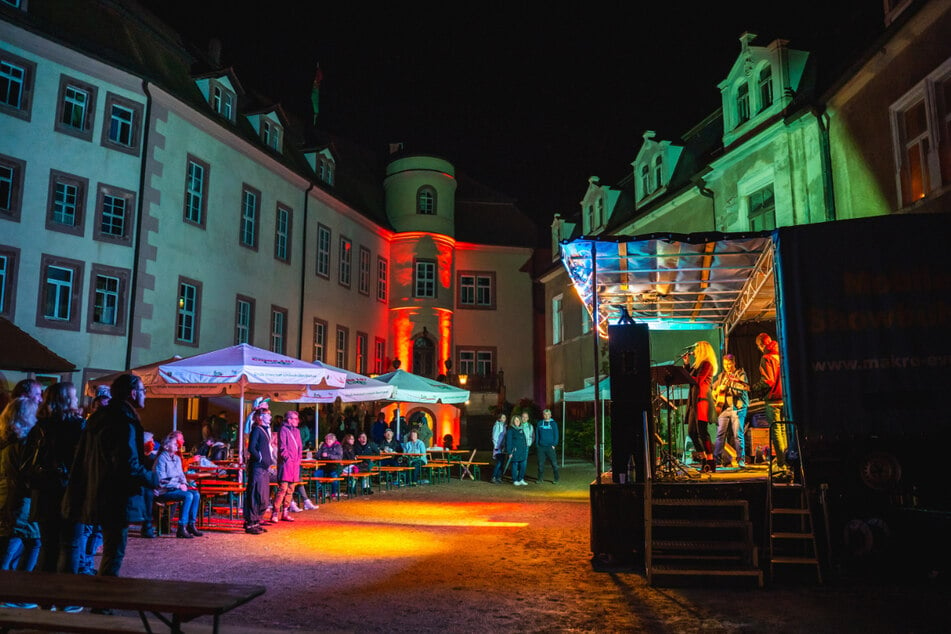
x,y
528,99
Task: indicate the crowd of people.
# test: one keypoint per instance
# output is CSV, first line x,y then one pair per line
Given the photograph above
x,y
511,444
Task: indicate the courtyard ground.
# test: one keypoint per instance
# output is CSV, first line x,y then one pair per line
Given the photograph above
x,y
476,557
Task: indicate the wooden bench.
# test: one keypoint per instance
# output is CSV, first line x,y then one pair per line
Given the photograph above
x,y
15,619
322,483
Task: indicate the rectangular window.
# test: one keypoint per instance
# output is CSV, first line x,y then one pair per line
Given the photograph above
x,y
244,320
425,279
271,134
362,343
476,361
343,334
189,311
67,203
346,259
222,101
11,187
278,329
363,283
107,300
323,251
915,135
585,320
8,280
76,107
557,325
742,103
122,128
379,355
120,125
476,289
16,85
320,340
250,202
114,209
762,206
282,234
196,191
381,279
59,304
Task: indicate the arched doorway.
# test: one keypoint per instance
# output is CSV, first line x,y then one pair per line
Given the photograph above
x,y
424,356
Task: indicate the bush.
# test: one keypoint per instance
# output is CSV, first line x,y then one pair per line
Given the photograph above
x,y
579,438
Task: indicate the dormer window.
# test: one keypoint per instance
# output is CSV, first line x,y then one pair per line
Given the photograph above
x,y
426,201
765,87
272,134
326,171
658,171
742,103
646,180
222,101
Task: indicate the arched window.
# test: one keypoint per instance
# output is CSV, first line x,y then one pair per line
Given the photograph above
x,y
742,103
426,201
765,87
659,171
645,180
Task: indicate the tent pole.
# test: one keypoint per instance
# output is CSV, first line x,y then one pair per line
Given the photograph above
x,y
595,317
175,413
563,409
240,447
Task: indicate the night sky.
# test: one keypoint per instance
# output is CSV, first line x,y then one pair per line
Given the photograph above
x,y
528,99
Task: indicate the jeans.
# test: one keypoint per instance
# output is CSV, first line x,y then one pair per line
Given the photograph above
x,y
330,472
777,431
547,452
114,538
728,426
499,466
189,499
72,546
17,553
518,470
89,544
417,464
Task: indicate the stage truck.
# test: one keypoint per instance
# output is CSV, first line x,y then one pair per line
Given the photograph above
x,y
862,309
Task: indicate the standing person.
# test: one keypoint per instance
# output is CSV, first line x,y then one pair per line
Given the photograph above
x,y
91,541
528,428
150,453
55,439
517,447
702,365
30,388
290,453
257,495
379,428
19,537
498,448
771,381
546,439
105,486
173,486
732,396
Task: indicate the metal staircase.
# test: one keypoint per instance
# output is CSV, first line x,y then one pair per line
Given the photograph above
x,y
792,538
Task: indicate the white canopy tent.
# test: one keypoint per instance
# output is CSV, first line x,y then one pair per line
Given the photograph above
x,y
412,388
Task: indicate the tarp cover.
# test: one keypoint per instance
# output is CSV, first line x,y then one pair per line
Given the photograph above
x,y
22,353
412,388
358,388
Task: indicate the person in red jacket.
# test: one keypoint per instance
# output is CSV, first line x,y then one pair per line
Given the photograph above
x,y
771,379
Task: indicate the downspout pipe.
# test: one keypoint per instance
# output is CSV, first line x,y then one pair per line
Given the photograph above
x,y
303,277
139,211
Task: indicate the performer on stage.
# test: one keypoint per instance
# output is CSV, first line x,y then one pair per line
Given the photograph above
x,y
702,365
732,396
771,382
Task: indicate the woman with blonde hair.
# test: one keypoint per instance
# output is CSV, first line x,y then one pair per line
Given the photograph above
x,y
173,486
701,362
19,537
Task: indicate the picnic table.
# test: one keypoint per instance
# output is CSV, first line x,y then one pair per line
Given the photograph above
x,y
171,602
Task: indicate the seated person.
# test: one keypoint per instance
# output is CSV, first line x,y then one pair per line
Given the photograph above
x,y
330,449
390,445
349,453
415,446
174,487
364,447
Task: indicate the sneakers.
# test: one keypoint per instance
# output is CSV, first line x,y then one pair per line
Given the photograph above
x,y
496,480
253,530
521,483
296,509
308,505
287,517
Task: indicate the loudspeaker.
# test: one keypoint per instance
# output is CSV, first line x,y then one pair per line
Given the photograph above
x,y
629,355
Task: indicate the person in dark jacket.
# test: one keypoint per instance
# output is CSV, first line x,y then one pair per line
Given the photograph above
x,y
516,445
19,537
546,439
56,437
258,494
105,484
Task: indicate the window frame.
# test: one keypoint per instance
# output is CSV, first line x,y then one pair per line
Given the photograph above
x,y
82,189
123,276
218,104
278,317
742,103
341,351
430,192
464,367
128,225
765,210
764,87
89,111
382,279
557,320
321,327
196,327
345,261
135,127
25,109
379,355
363,270
18,171
75,297
255,222
279,210
249,301
476,276
189,195
323,255
8,281
272,134
362,352
418,280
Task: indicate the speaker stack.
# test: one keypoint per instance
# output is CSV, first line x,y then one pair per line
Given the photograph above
x,y
629,355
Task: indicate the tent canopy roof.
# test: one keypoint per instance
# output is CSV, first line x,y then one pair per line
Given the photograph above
x,y
675,281
22,353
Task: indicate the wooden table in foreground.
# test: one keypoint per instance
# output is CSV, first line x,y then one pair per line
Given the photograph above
x,y
172,602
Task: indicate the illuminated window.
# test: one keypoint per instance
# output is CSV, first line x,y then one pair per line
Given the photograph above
x,y
282,234
320,340
346,261
196,191
557,323
188,312
8,279
323,251
16,85
59,286
476,289
122,129
425,279
379,355
222,101
765,87
742,103
362,342
363,282
278,329
67,203
426,201
250,204
762,209
476,361
343,335
114,209
76,108
381,279
244,320
60,293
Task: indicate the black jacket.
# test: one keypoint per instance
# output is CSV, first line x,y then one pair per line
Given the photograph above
x,y
56,440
